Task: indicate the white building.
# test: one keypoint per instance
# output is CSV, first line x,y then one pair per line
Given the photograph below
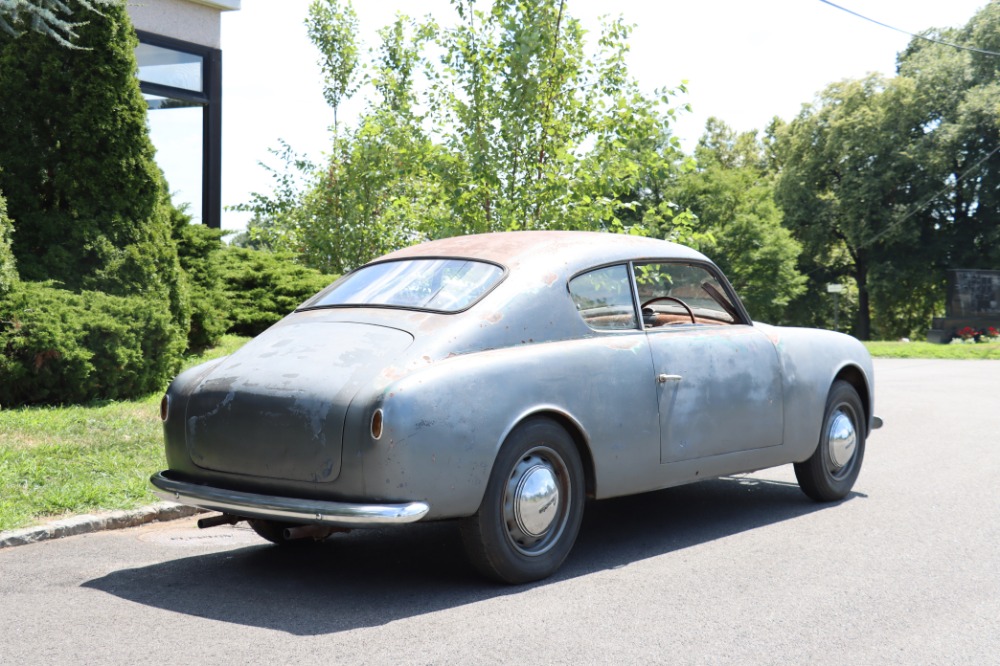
x,y
180,72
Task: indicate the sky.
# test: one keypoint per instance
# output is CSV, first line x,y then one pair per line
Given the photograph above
x,y
745,61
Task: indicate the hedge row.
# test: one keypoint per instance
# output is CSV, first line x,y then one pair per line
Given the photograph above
x,y
58,346
262,287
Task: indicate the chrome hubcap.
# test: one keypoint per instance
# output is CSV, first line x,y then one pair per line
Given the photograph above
x,y
534,504
842,440
536,501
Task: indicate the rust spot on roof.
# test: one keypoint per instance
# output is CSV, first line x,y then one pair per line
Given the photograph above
x,y
546,247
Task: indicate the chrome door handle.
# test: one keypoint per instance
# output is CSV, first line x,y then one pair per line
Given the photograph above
x,y
663,379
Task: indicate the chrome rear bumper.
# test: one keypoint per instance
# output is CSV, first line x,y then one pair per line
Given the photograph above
x,y
287,509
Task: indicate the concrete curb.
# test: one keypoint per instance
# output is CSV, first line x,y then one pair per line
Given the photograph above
x,y
85,524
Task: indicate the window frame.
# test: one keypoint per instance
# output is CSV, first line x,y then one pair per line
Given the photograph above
x,y
210,99
743,319
637,316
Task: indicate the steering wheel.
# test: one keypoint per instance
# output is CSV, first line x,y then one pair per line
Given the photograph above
x,y
671,298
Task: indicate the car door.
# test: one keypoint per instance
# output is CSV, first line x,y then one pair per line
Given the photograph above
x,y
718,381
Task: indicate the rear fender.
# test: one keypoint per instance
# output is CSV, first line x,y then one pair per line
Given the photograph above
x,y
443,425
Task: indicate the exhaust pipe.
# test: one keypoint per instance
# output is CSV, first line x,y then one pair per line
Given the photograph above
x,y
215,521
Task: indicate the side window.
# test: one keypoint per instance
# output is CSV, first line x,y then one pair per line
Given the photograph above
x,y
676,294
604,299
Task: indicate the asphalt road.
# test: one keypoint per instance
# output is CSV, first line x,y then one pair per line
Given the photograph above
x,y
737,570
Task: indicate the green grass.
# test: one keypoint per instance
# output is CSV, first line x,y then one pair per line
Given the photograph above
x,y
963,351
64,460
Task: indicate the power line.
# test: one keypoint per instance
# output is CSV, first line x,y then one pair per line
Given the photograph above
x,y
918,207
928,39
926,202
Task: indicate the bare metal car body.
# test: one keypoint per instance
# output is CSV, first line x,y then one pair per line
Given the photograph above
x,y
361,415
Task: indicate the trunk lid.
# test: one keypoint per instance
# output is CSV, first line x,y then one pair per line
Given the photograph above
x,y
276,408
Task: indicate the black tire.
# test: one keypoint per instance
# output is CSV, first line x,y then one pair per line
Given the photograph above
x,y
274,531
829,474
511,540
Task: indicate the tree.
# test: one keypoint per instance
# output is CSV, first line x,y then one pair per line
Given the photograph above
x,y
889,182
732,193
368,198
333,29
512,126
846,184
51,18
958,94
89,203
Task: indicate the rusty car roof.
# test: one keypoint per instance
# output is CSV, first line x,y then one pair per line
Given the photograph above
x,y
575,248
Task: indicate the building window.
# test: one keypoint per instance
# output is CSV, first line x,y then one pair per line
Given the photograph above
x,y
182,84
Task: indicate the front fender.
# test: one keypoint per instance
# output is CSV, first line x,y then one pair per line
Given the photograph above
x,y
811,360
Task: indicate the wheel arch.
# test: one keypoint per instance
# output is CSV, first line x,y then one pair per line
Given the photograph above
x,y
576,432
854,376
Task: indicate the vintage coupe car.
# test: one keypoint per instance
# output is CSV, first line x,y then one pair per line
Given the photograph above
x,y
501,380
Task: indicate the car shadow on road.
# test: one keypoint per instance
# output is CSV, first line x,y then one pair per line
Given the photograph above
x,y
373,577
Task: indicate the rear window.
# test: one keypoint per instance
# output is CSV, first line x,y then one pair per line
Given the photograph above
x,y
441,285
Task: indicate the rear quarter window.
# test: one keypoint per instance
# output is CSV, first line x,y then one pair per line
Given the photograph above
x,y
603,298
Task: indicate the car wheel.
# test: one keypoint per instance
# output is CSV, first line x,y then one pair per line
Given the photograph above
x,y
274,531
829,474
531,511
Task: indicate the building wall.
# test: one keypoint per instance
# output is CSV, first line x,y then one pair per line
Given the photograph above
x,y
190,20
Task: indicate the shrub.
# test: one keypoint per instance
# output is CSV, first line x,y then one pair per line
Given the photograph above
x,y
8,271
90,206
262,287
199,249
58,346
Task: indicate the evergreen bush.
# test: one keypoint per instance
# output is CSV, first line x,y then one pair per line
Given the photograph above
x,y
262,287
89,204
199,249
8,270
91,218
58,347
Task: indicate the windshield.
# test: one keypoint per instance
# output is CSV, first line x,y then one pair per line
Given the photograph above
x,y
443,285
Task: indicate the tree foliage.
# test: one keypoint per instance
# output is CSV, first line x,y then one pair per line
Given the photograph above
x,y
957,94
844,184
198,250
732,193
888,182
502,121
59,347
262,287
52,18
334,31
